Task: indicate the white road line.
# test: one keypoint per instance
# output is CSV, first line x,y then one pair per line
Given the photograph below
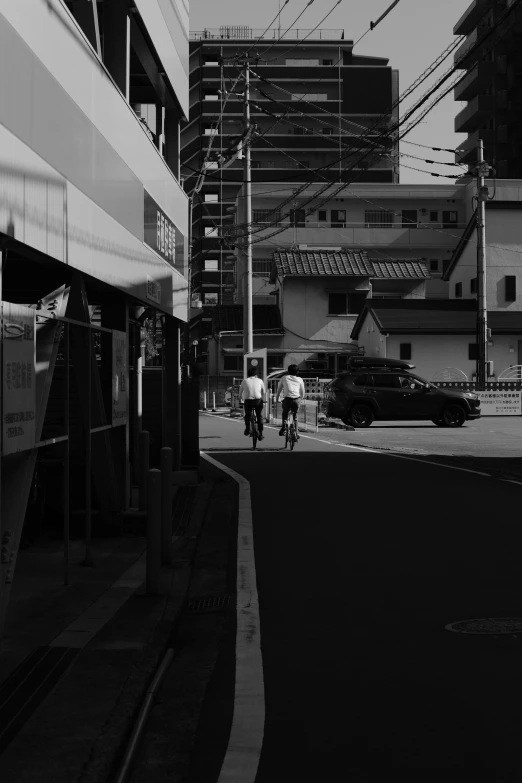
x,y
246,736
367,450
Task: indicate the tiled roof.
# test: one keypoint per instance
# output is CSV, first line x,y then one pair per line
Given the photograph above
x,y
229,318
317,263
400,269
407,316
348,263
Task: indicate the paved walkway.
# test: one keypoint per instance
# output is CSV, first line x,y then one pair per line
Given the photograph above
x,y
362,559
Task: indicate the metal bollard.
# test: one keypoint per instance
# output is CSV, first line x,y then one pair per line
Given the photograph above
x,y
166,504
153,558
144,467
204,401
214,402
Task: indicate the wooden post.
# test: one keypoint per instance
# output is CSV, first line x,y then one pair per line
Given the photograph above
x,y
166,504
153,557
143,469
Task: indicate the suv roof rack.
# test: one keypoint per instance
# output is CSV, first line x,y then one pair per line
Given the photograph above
x,y
365,362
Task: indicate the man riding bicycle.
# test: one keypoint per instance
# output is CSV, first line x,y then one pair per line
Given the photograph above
x,y
251,393
293,389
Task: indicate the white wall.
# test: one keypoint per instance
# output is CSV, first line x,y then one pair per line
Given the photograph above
x,y
503,257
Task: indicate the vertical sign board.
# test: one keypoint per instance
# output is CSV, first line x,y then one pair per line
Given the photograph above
x,y
19,379
162,235
120,379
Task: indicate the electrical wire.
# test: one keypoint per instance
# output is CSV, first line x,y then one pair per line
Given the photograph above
x,y
276,17
288,28
308,34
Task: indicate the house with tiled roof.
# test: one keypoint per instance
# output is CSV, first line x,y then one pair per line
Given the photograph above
x,y
321,293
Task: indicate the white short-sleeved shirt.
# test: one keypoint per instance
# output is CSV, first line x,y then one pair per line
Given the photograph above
x,y
252,389
291,386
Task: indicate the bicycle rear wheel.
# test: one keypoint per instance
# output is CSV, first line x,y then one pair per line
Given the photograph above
x,y
253,429
292,435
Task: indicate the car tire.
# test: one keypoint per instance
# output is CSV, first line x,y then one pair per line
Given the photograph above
x,y
453,415
438,422
361,415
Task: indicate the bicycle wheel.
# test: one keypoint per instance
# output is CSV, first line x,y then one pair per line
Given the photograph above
x,y
286,433
293,437
253,429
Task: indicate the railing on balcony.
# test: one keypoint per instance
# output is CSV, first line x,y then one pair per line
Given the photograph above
x,y
373,226
243,32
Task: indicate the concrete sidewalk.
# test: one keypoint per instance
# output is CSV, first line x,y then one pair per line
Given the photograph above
x,y
77,660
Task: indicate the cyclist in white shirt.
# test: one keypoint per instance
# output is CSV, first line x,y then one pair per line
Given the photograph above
x,y
293,389
251,393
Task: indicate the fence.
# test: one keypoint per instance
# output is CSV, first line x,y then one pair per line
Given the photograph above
x,y
474,386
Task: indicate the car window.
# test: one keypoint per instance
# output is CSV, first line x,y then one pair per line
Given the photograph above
x,y
361,380
409,382
385,381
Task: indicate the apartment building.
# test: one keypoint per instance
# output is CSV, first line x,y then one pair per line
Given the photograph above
x,y
491,85
390,222
344,94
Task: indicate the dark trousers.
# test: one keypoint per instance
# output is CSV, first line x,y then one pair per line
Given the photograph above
x,y
257,405
290,404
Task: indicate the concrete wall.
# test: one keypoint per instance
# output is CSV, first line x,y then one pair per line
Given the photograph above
x,y
503,257
432,353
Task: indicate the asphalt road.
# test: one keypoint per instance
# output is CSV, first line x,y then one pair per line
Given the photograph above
x,y
362,559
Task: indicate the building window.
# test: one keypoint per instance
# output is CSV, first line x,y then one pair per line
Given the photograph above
x,y
256,164
338,218
472,352
275,361
405,351
511,288
321,216
210,299
297,217
378,218
328,131
208,130
211,96
211,231
211,61
303,164
211,197
267,215
409,218
262,266
232,363
310,97
299,131
339,304
434,265
473,285
211,264
450,219
434,217
458,290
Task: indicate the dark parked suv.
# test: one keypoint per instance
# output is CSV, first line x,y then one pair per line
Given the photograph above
x,y
386,389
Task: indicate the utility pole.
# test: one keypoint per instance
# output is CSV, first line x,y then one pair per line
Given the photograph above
x,y
482,307
248,338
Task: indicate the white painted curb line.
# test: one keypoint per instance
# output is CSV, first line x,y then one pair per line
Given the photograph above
x,y
246,735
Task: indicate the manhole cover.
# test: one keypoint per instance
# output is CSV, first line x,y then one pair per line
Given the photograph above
x,y
488,625
210,604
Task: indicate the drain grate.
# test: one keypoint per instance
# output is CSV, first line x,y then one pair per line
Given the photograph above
x,y
210,604
488,625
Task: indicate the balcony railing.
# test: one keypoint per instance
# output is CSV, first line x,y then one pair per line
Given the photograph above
x,y
373,226
243,32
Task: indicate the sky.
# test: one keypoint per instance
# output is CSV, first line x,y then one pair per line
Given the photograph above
x,y
411,36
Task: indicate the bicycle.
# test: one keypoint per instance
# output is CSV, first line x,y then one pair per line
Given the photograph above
x,y
254,432
291,432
